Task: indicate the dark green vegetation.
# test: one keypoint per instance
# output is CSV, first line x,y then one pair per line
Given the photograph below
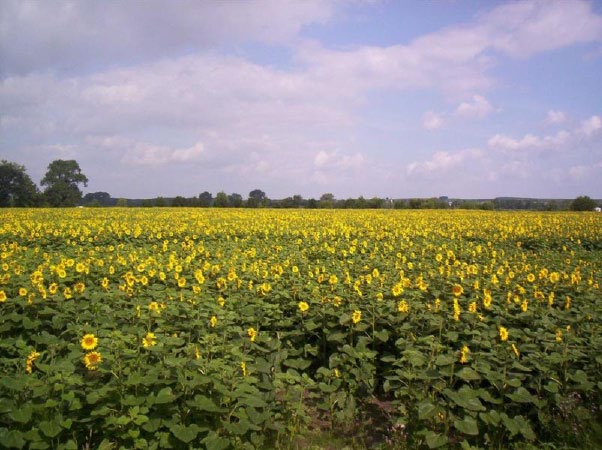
x,y
260,329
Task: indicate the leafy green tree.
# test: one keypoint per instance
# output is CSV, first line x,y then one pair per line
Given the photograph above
x,y
257,198
122,202
97,199
583,203
61,181
179,201
326,201
205,199
235,200
221,200
16,188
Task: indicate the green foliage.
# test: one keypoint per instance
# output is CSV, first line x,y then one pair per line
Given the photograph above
x,y
16,188
62,181
583,203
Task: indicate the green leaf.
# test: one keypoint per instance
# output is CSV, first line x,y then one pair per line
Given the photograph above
x,y
215,442
11,439
468,425
185,433
521,395
382,335
206,404
468,374
435,440
106,445
22,415
511,425
50,429
426,410
445,360
164,396
255,402
300,364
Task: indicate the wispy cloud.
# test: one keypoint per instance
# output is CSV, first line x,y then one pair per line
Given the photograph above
x,y
432,120
555,117
479,108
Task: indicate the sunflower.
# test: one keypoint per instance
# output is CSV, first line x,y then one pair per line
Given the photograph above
x,y
403,306
92,359
149,340
2,297
252,332
457,290
356,316
89,342
213,321
464,354
503,334
303,306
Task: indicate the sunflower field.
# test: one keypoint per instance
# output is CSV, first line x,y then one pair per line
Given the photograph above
x,y
222,328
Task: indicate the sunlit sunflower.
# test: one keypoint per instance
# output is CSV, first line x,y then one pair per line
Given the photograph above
x,y
149,340
89,342
457,290
92,359
503,334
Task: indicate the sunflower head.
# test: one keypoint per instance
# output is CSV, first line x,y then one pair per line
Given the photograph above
x,y
89,342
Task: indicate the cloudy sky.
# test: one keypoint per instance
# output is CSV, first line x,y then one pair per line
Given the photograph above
x,y
464,98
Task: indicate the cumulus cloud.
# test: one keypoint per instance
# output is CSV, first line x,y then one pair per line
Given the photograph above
x,y
442,161
561,139
431,120
521,29
529,141
591,126
479,108
555,117
333,160
35,36
582,171
457,59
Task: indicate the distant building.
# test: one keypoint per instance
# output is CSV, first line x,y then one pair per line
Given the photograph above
x,y
598,209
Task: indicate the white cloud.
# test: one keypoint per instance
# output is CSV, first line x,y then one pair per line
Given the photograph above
x,y
521,29
591,126
582,171
529,141
431,120
36,35
137,153
333,160
456,59
442,161
478,108
555,117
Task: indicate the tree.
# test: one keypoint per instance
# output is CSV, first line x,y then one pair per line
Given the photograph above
x,y
257,198
16,188
97,199
179,201
122,202
583,203
235,200
61,181
221,200
326,200
205,199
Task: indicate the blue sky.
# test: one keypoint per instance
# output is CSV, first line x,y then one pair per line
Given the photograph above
x,y
396,99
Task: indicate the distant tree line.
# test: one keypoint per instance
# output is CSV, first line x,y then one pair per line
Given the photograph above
x,y
63,178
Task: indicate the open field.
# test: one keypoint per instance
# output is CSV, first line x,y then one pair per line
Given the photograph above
x,y
188,328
